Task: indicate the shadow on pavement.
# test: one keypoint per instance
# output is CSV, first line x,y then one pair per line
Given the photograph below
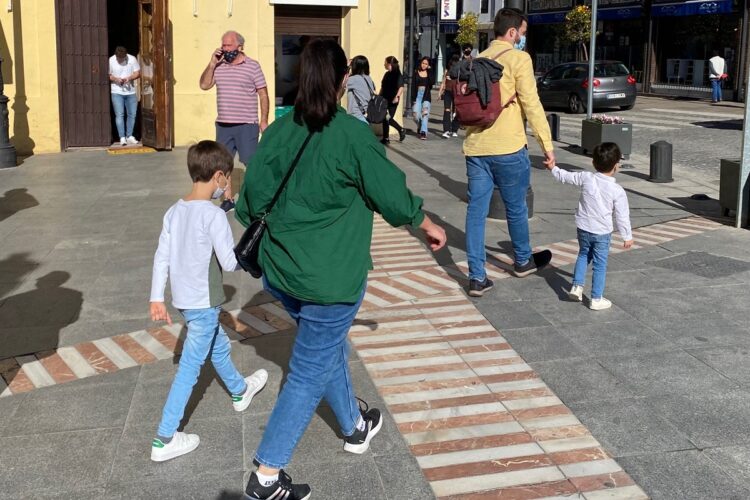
x,y
452,186
721,124
14,201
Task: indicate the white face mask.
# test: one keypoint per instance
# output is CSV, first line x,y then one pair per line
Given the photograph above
x,y
219,191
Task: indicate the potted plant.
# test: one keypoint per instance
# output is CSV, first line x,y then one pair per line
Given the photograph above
x,y
605,128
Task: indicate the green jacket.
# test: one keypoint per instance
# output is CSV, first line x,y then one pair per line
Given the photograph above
x,y
317,245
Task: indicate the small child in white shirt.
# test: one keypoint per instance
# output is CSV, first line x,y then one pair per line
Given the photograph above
x,y
195,245
601,196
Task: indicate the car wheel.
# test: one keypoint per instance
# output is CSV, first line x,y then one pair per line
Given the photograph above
x,y
575,105
627,107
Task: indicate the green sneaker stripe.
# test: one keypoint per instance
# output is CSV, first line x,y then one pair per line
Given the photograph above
x,y
156,443
236,399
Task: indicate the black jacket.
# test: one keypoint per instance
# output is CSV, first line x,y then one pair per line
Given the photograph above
x,y
481,73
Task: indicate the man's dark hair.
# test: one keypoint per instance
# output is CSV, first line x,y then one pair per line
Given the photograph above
x,y
467,46
606,156
506,19
206,158
322,69
360,66
121,52
716,52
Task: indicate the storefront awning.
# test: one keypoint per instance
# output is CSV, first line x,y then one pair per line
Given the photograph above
x,y
692,8
548,17
614,13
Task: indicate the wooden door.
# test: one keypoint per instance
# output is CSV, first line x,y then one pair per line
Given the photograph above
x,y
156,74
83,65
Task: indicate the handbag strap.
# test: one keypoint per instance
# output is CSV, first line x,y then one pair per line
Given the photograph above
x,y
288,175
515,94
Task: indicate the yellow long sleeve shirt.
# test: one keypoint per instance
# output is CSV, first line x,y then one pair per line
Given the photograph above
x,y
508,134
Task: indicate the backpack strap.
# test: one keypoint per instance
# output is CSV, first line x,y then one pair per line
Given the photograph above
x,y
515,94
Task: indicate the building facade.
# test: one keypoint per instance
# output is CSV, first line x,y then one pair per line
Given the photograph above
x,y
55,60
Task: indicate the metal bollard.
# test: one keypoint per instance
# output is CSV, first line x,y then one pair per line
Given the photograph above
x,y
661,162
497,207
554,125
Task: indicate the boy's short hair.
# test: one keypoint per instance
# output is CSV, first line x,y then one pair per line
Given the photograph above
x,y
206,158
606,156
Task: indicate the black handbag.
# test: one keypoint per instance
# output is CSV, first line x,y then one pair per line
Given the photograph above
x,y
248,247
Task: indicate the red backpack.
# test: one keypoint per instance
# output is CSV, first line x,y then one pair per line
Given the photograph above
x,y
469,110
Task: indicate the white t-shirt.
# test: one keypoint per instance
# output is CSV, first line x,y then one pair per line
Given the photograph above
x,y
717,67
122,71
195,245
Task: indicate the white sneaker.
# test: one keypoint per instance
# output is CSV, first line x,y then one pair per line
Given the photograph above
x,y
180,444
123,141
255,383
132,140
446,135
455,134
600,304
576,293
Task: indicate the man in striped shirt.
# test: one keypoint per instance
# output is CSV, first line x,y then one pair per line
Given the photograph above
x,y
239,83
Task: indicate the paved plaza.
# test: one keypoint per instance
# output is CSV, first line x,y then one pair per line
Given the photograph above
x,y
520,394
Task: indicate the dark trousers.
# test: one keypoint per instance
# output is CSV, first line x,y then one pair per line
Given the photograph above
x,y
450,122
391,121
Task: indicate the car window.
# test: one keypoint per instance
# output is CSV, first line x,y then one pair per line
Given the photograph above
x,y
556,73
610,70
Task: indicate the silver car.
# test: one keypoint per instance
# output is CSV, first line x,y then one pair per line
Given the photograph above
x,y
566,85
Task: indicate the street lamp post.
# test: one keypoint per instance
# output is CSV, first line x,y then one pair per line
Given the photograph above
x,y
7,151
410,66
742,194
592,60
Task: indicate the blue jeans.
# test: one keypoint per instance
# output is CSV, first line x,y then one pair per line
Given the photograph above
x,y
122,103
592,247
715,90
421,111
318,368
205,337
511,174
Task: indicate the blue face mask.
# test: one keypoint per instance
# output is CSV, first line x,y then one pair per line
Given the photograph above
x,y
521,44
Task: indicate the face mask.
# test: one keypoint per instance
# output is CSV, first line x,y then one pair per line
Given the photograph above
x,y
467,52
219,191
230,56
521,44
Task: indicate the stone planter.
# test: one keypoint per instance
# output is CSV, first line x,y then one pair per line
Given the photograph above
x,y
729,185
594,133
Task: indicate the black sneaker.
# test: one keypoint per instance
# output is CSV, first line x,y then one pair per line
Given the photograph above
x,y
477,288
227,205
385,141
283,489
401,135
536,262
359,442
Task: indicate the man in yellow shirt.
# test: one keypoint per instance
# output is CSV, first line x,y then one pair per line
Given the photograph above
x,y
498,155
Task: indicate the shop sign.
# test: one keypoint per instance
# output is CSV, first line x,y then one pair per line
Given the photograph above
x,y
318,3
616,3
448,9
544,5
660,8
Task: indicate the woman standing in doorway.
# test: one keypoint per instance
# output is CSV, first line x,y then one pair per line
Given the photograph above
x,y
450,121
315,255
422,92
359,88
391,88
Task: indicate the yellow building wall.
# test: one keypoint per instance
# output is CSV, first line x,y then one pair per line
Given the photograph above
x,y
28,46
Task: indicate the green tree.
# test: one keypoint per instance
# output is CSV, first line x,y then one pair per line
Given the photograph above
x,y
468,26
577,28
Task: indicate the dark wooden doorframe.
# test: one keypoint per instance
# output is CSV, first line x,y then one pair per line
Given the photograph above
x,y
156,79
82,63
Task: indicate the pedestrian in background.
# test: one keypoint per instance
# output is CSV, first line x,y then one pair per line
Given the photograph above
x,y
315,256
392,88
450,121
195,246
601,197
359,88
422,92
467,51
123,71
717,68
240,86
498,156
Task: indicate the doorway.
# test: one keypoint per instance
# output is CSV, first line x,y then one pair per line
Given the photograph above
x,y
87,33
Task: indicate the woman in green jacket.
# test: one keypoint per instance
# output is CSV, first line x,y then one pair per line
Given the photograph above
x,y
315,254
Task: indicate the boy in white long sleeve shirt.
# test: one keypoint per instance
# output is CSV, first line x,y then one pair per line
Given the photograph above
x,y
195,244
601,197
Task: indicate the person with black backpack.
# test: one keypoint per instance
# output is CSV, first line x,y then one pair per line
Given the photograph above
x,y
359,88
